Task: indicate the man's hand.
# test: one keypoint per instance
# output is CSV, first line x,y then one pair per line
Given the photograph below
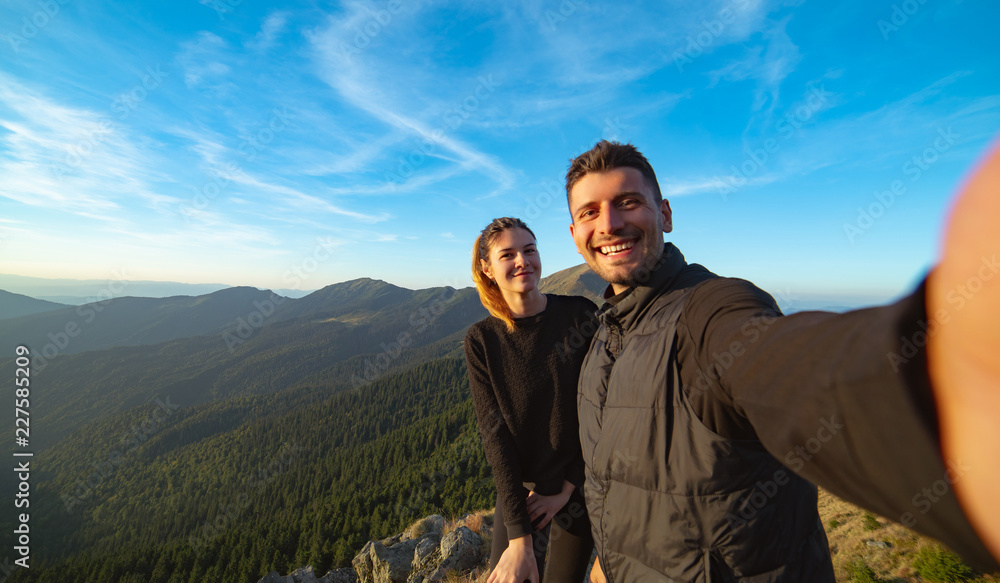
x,y
596,573
517,564
547,506
963,294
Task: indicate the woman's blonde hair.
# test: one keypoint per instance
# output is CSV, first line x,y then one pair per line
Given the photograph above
x,y
489,293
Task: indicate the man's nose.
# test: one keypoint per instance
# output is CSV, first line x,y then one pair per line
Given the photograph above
x,y
611,220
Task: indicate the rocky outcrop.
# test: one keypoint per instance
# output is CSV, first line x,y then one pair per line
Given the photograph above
x,y
422,554
306,575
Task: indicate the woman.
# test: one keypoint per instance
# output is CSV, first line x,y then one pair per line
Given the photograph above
x,y
524,361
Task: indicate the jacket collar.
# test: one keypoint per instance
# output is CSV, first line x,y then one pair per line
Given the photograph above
x,y
626,308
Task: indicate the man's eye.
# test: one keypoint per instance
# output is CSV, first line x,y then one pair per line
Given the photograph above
x,y
629,202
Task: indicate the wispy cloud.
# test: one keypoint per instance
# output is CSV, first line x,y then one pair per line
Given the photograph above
x,y
272,27
201,60
64,158
362,79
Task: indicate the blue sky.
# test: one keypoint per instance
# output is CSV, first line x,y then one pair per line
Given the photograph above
x,y
295,145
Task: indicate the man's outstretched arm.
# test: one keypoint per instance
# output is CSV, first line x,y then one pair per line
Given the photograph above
x,y
964,355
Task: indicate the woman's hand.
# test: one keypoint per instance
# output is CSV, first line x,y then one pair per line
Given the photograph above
x,y
547,506
517,564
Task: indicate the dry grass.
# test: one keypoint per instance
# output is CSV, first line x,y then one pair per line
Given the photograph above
x,y
848,529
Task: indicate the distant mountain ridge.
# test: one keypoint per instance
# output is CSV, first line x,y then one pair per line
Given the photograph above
x,y
13,305
576,281
139,321
77,292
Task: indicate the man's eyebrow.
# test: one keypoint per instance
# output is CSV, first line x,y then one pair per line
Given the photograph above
x,y
617,197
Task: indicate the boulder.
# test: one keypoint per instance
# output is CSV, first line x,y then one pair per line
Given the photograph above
x,y
461,549
378,563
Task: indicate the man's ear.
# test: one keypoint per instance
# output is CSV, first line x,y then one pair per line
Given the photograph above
x,y
668,217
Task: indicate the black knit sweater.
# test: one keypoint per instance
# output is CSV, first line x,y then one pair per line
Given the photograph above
x,y
523,387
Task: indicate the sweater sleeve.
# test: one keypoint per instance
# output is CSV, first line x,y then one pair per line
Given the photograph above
x,y
498,443
842,399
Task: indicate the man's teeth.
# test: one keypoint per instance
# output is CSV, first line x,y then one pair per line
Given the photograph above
x,y
608,249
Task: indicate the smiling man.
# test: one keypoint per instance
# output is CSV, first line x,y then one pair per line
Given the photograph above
x,y
706,416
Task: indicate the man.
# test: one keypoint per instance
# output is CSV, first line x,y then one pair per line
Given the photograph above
x,y
703,412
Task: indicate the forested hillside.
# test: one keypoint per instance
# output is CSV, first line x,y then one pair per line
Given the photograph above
x,y
230,490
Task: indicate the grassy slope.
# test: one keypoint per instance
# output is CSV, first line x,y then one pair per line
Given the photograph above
x,y
847,533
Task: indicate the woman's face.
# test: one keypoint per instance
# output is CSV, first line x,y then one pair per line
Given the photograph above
x,y
514,262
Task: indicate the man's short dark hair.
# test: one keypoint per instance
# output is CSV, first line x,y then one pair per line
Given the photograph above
x,y
605,156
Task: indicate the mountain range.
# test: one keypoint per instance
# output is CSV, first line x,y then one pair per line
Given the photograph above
x,y
169,432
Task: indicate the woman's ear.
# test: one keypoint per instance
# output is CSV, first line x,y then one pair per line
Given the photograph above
x,y
486,268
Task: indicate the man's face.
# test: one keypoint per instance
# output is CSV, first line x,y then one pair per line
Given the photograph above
x,y
617,226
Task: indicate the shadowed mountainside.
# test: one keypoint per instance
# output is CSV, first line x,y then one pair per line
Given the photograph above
x,y
15,305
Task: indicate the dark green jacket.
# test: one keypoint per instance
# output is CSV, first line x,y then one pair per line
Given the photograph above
x,y
697,401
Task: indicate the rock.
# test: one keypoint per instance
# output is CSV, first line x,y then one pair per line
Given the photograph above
x,y
461,549
362,563
304,575
426,558
878,544
343,575
420,555
378,563
425,550
307,575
